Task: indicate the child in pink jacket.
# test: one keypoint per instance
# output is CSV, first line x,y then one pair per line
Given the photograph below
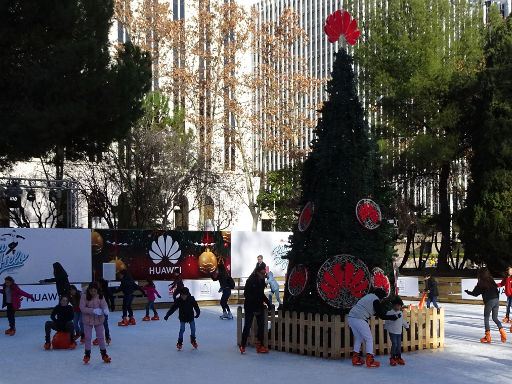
x,y
151,291
94,308
12,297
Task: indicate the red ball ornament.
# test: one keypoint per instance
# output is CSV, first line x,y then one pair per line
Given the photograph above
x,y
190,268
61,340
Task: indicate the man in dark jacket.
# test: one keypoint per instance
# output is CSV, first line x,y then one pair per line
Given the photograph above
x,y
431,289
186,304
260,262
128,286
254,293
62,320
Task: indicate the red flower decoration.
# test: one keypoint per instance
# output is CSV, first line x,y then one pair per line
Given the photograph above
x,y
342,281
341,23
380,280
297,280
368,214
306,216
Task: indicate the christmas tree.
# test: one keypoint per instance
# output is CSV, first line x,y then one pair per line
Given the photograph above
x,y
342,169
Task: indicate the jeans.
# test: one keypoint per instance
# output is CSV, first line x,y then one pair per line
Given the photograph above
x,y
432,300
396,344
151,305
192,329
249,316
10,316
509,304
277,297
226,292
99,335
49,325
127,305
78,323
492,306
361,331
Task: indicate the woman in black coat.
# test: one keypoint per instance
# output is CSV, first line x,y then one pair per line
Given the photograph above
x,y
60,278
488,288
254,293
226,284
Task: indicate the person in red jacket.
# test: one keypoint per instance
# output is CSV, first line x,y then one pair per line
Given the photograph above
x,y
151,292
507,283
12,296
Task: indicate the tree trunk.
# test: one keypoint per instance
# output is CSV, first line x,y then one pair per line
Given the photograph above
x,y
444,217
61,195
410,236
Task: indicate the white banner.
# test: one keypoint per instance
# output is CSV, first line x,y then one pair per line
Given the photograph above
x,y
45,296
470,284
246,246
28,254
408,286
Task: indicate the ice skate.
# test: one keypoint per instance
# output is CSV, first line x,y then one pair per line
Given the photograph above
x,y
87,357
146,318
132,321
124,322
72,345
193,341
47,345
486,338
224,316
108,340
506,320
242,349
10,331
230,316
370,362
392,361
179,344
156,317
356,359
261,348
106,358
399,360
95,342
503,335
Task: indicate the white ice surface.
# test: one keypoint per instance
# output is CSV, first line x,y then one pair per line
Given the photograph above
x,y
146,353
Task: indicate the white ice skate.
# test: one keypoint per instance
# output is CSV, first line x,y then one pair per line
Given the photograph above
x,y
230,316
224,316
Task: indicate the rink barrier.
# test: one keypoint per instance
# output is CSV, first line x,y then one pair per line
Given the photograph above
x,y
330,337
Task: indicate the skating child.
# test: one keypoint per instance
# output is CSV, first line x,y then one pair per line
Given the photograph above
x,y
488,288
12,296
507,283
94,308
62,320
103,285
128,286
431,289
186,305
394,328
177,284
274,288
358,317
78,325
151,291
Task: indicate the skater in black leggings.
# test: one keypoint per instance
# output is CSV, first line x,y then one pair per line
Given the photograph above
x,y
488,288
226,284
127,286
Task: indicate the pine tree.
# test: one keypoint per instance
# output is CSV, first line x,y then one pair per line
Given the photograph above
x,y
342,168
486,228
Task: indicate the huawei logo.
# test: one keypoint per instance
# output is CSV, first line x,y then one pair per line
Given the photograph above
x,y
165,249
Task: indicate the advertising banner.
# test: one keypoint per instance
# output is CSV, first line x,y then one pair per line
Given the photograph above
x,y
159,255
28,254
408,286
45,296
246,246
470,284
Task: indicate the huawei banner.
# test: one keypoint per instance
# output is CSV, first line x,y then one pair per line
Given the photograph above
x,y
28,254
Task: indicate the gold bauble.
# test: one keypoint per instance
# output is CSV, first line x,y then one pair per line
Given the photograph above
x,y
120,266
96,242
207,262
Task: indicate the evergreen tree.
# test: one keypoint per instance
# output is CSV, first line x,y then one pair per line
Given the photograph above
x,y
342,168
486,228
62,92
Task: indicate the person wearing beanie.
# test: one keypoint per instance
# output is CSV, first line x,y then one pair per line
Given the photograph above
x,y
394,328
368,306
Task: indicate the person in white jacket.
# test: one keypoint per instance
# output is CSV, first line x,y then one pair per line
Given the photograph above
x,y
394,328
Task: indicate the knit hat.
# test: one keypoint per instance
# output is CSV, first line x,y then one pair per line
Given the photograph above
x,y
380,293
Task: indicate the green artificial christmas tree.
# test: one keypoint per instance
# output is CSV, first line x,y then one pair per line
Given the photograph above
x,y
342,169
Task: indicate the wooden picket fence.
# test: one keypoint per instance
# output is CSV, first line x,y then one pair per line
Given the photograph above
x,y
330,337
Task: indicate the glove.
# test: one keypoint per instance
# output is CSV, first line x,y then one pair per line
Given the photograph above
x,y
106,312
97,311
467,291
159,296
196,316
220,290
166,318
396,317
399,315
